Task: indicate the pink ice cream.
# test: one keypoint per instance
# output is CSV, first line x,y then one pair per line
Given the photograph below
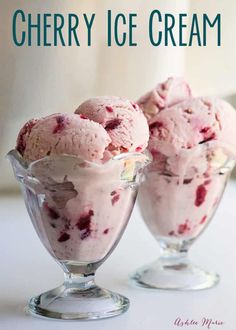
x,y
191,143
180,209
84,209
176,131
85,196
164,95
123,120
62,134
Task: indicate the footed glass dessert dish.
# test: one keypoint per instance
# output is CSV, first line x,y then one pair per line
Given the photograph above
x,y
177,206
79,211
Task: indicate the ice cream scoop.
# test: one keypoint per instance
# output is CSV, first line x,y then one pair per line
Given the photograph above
x,y
166,94
100,128
175,131
123,121
184,125
58,134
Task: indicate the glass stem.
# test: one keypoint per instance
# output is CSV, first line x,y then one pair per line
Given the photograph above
x,y
174,254
78,281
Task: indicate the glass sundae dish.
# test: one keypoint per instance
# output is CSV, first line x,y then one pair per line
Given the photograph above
x,y
79,210
192,141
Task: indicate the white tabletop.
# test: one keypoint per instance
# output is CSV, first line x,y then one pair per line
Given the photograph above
x,y
27,270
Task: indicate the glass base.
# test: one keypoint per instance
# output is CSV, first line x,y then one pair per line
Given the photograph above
x,y
73,304
174,276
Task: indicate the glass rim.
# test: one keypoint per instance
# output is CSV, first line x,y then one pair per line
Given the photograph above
x,y
144,157
227,167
